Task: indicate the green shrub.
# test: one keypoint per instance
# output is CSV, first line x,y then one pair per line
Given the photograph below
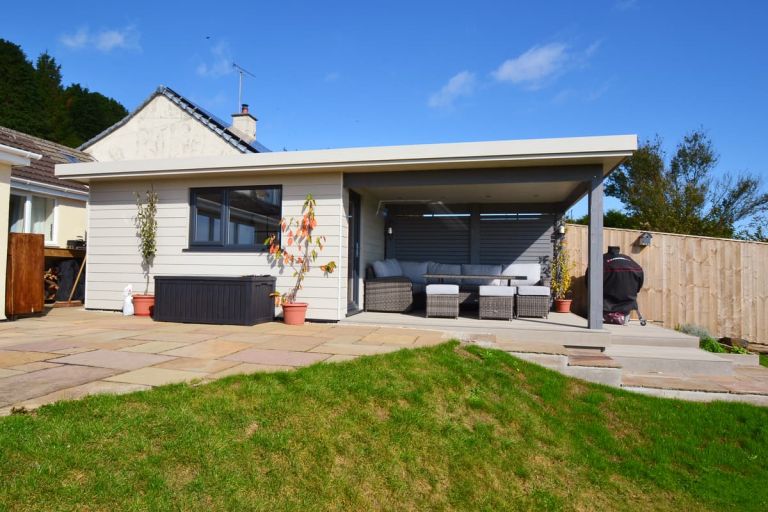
x,y
739,350
711,345
694,330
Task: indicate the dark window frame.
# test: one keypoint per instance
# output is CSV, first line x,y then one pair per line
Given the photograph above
x,y
223,245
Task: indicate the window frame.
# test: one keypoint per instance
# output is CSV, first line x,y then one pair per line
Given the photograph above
x,y
223,245
26,215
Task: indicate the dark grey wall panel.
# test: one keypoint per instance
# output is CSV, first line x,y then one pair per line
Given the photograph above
x,y
421,233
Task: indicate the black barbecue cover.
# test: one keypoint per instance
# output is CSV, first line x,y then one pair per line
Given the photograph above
x,y
622,280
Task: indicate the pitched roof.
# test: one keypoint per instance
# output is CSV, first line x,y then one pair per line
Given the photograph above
x,y
203,116
42,171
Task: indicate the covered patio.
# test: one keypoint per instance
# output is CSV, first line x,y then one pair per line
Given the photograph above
x,y
480,204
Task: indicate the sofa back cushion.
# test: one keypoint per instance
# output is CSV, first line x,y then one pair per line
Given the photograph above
x,y
531,271
415,270
481,270
387,268
445,268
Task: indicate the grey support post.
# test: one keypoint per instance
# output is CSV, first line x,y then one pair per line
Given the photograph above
x,y
595,318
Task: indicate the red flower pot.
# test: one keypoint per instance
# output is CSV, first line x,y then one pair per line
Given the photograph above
x,y
143,304
294,313
563,305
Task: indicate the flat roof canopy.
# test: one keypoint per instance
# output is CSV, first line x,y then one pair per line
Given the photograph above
x,y
511,156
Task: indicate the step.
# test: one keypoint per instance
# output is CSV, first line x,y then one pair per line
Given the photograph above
x,y
672,361
652,337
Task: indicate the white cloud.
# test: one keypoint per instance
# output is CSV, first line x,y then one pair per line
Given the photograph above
x,y
104,40
534,66
461,84
220,64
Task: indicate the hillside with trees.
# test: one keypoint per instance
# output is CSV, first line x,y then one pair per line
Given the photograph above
x,y
33,100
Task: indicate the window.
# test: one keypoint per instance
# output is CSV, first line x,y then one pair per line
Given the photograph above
x,y
235,218
32,214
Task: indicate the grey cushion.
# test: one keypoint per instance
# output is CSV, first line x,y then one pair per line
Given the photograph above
x,y
387,268
533,290
415,270
445,268
481,270
532,271
442,289
497,291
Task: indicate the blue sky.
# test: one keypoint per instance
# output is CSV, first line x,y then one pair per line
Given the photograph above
x,y
336,74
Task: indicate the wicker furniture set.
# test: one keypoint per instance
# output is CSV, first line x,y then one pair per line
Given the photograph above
x,y
495,291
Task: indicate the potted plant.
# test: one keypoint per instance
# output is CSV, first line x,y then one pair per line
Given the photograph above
x,y
297,249
561,278
146,232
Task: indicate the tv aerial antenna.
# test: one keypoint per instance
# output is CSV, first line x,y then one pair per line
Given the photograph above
x,y
242,72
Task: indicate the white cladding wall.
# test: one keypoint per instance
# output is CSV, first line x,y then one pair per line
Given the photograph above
x,y
160,130
113,260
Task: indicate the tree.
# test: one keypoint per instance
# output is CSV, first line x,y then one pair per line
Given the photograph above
x,y
19,97
34,101
611,219
684,196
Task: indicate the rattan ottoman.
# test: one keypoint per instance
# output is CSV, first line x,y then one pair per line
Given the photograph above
x,y
497,302
443,300
389,294
532,301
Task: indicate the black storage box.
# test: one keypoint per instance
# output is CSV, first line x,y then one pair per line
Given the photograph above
x,y
241,300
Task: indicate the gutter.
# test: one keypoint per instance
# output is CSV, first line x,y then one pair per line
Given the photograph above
x,y
19,153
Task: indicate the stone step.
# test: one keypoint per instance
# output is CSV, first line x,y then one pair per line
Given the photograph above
x,y
677,361
653,338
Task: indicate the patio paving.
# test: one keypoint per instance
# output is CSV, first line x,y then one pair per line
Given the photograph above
x,y
71,353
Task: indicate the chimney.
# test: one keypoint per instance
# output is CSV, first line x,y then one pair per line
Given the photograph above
x,y
244,124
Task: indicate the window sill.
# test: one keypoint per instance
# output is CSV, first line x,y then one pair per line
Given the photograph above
x,y
225,249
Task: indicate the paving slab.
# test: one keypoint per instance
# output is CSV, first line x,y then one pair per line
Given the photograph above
x,y
113,359
154,347
277,357
530,347
378,338
295,343
211,349
355,349
175,336
33,367
7,372
156,376
91,388
9,358
340,358
43,346
114,344
29,385
678,383
248,368
197,365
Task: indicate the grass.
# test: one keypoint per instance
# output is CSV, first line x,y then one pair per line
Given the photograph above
x,y
764,359
443,428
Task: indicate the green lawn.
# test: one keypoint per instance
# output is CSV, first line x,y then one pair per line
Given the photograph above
x,y
444,428
764,359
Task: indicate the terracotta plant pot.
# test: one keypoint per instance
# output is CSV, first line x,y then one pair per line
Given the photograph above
x,y
143,304
294,313
563,305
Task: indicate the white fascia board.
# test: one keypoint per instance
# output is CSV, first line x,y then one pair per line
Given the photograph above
x,y
16,156
458,155
35,187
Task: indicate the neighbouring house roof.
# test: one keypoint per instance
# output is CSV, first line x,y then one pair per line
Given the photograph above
x,y
42,171
201,115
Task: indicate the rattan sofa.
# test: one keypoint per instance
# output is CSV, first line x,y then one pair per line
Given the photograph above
x,y
399,287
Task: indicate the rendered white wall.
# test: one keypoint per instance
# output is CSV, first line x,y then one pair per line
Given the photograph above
x,y
160,130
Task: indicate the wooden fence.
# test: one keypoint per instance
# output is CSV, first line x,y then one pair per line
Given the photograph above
x,y
716,283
